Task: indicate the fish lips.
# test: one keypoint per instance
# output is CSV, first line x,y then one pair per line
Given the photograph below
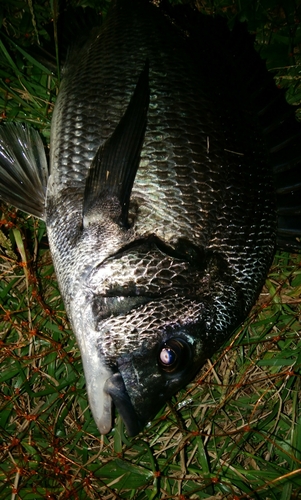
x,y
115,387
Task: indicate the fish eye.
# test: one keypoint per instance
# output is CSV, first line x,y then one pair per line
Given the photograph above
x,y
174,355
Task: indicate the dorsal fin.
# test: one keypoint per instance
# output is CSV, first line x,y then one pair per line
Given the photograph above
x,y
23,168
113,169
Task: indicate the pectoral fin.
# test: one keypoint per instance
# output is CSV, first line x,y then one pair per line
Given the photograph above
x,y
113,170
23,168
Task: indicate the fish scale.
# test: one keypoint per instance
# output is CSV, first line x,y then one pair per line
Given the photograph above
x,y
150,274
160,210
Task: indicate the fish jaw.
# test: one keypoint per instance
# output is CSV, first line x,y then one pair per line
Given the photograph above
x,y
100,402
104,384
96,370
104,387
115,388
96,374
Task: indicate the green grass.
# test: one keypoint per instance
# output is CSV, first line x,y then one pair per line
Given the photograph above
x,y
234,433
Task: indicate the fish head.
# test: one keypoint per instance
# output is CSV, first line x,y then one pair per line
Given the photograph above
x,y
164,359
139,360
139,348
136,352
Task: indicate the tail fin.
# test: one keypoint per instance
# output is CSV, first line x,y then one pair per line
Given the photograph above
x,y
23,169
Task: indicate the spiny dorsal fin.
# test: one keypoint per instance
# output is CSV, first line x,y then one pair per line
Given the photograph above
x,y
23,168
113,169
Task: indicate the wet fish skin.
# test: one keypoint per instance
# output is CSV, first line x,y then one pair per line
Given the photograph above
x,y
209,213
152,295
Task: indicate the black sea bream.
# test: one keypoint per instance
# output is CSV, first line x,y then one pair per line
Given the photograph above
x,y
160,213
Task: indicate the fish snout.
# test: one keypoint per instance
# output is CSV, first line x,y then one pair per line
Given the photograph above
x,y
115,387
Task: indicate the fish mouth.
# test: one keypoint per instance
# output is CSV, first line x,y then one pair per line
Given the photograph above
x,y
104,383
115,388
108,389
104,387
100,402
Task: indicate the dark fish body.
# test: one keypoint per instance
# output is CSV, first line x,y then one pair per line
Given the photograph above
x,y
160,213
202,228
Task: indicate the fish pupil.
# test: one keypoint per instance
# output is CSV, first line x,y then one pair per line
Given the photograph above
x,y
174,355
167,356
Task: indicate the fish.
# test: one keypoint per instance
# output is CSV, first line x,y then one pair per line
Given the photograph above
x,y
160,207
